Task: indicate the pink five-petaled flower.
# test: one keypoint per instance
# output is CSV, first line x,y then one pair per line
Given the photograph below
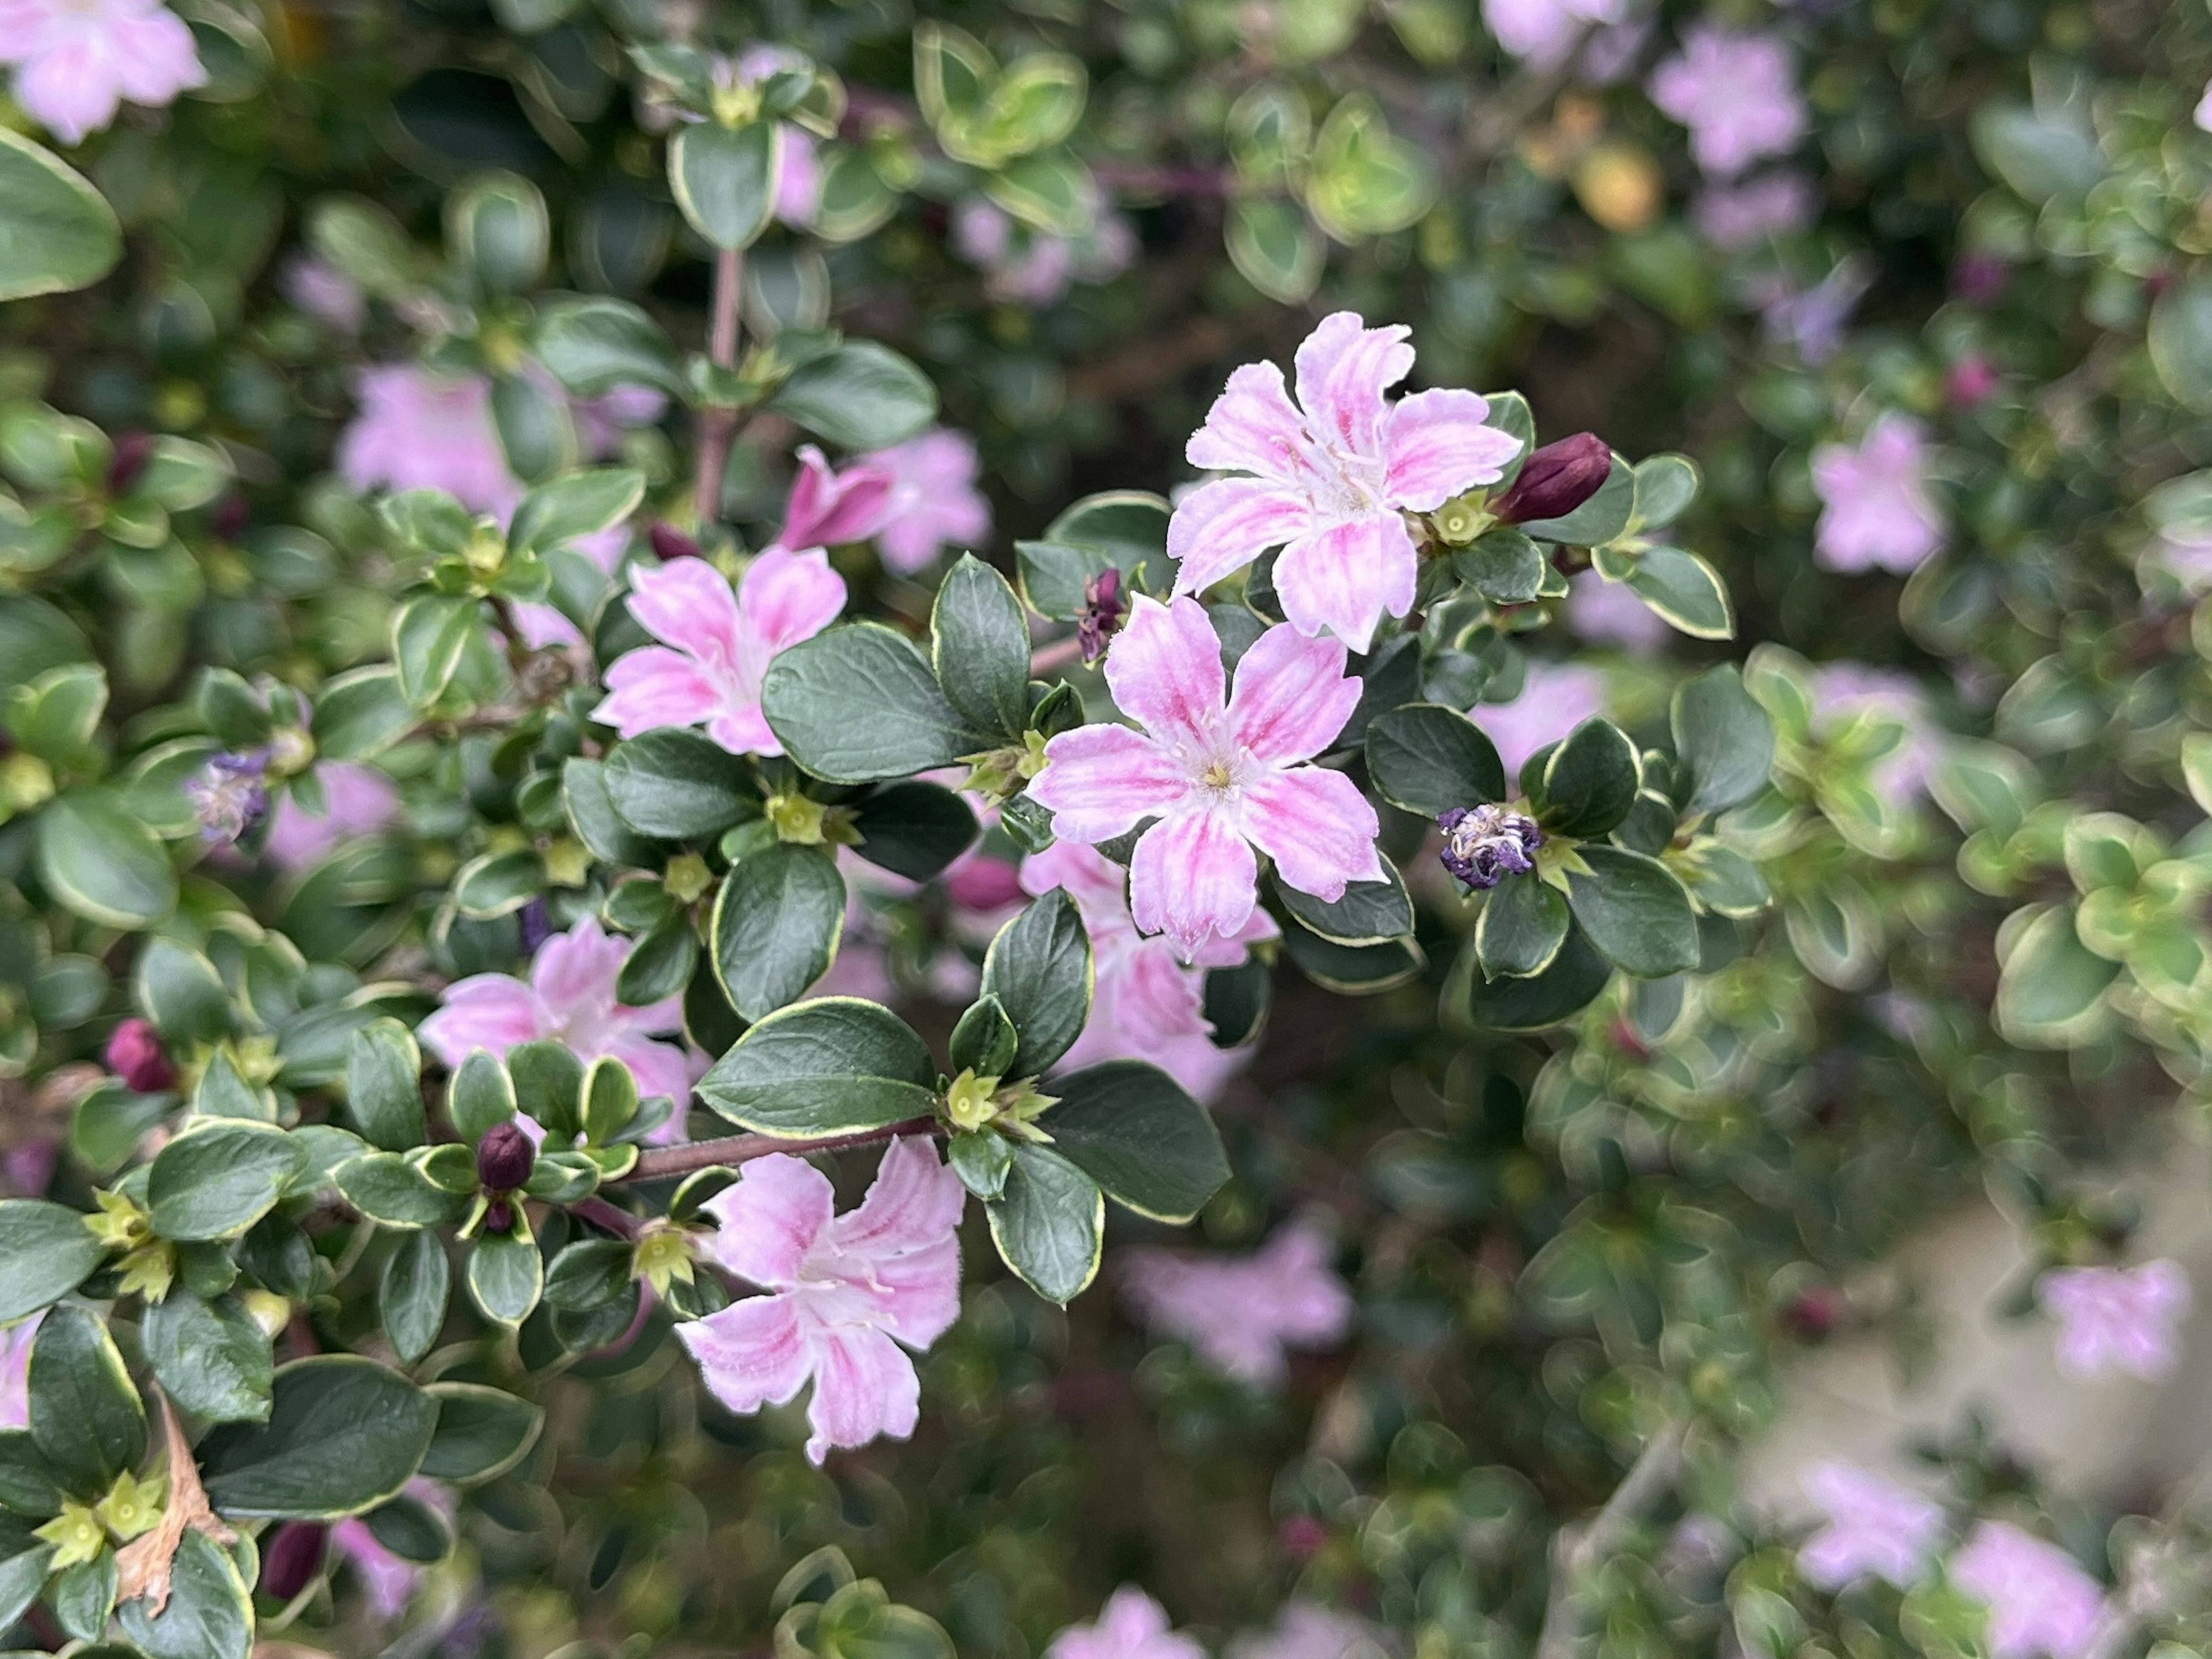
x,y
1875,1526
2040,1601
2117,1319
846,1291
77,60
718,644
1332,476
1131,1625
1736,92
826,506
1221,781
569,999
1240,1313
1878,514
934,500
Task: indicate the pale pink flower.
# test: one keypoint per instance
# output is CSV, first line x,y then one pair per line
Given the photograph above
x,y
2203,116
1240,1313
2040,1601
1333,476
1555,698
326,293
846,1291
826,506
76,61
420,430
15,1371
1875,1526
1131,1625
358,800
1307,1630
934,499
1844,690
1736,92
1610,613
1812,321
2118,1319
1220,780
1877,513
718,644
569,999
1544,32
1029,267
1736,216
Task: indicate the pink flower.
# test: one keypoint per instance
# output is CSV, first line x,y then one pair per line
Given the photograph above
x,y
15,1371
1878,514
1544,32
1734,217
1030,268
1307,1630
1555,698
1220,782
843,1287
1609,613
1812,321
718,644
326,293
934,499
1334,473
358,800
569,999
1131,1625
387,1580
2117,1319
1875,1526
1240,1313
417,430
2039,1600
1145,1004
1736,92
1842,691
2203,116
602,421
826,507
77,60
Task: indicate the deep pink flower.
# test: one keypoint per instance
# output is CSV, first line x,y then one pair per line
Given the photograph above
x,y
827,507
1878,514
1332,476
135,1053
1240,1313
1146,1004
934,500
1875,1526
569,999
1131,1625
1736,216
1544,32
846,1291
1736,92
358,800
15,1371
2040,1601
718,644
1555,698
2118,1319
76,61
1610,613
1220,780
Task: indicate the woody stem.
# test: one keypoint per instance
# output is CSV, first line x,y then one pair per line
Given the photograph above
x,y
717,425
660,1163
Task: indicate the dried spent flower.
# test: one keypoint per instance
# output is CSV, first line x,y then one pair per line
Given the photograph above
x,y
1483,845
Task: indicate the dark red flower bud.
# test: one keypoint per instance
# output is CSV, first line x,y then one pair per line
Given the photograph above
x,y
1556,479
1104,609
1815,1313
292,1557
505,1159
499,1217
669,543
132,450
1302,1536
134,1053
230,518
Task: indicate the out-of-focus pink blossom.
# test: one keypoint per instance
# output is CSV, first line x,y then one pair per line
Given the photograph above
x,y
2203,116
602,421
2041,1602
1812,321
1737,93
1555,698
1610,613
569,999
1307,1630
1240,1313
1875,1526
845,1292
1545,31
420,430
718,644
1131,1625
386,1580
1980,279
136,1054
2118,1319
1028,267
934,500
827,506
358,800
16,1341
1329,478
1970,381
1844,690
1736,216
1878,514
326,293
1220,780
77,61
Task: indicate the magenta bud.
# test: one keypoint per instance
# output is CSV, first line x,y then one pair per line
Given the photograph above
x,y
132,450
669,543
505,1159
134,1053
1556,479
292,1557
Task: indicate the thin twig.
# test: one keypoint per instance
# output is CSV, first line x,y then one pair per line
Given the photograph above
x,y
660,1162
605,1216
1575,1550
1060,654
716,426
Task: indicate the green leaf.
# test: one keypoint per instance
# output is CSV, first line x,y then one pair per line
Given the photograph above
x,y
223,1093
56,232
1049,1223
29,1483
860,704
660,965
497,226
1132,1129
834,1066
506,1274
1426,759
220,1178
182,993
344,1434
480,1096
103,864
591,815
1505,567
2050,991
2180,340
678,785
594,345
1724,738
383,1088
548,1086
859,396
1636,911
914,830
23,1563
85,1417
481,1433
361,714
1574,979
1362,181
2041,156
1591,780
1275,248
725,180
1665,487
83,1598
1123,530
45,1252
1685,591
1368,911
498,883
209,1612
1523,925
1056,194
775,927
979,647
209,1357
391,1191
589,1274
536,432
412,1530
411,1296
1040,969
609,1099
1352,971
984,1040
982,1161
428,635
576,504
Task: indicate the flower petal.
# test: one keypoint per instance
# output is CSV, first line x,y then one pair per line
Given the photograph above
x,y
484,1011
1102,780
1435,445
788,597
1292,696
574,973
1099,886
744,730
1344,369
1220,527
661,1068
1192,876
864,1386
752,1353
1317,826
654,686
1343,578
1253,427
1164,670
770,1216
915,1202
687,605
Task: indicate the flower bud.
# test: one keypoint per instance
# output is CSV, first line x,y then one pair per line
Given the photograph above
x,y
292,1557
1556,479
499,1219
132,450
669,543
505,1157
135,1054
